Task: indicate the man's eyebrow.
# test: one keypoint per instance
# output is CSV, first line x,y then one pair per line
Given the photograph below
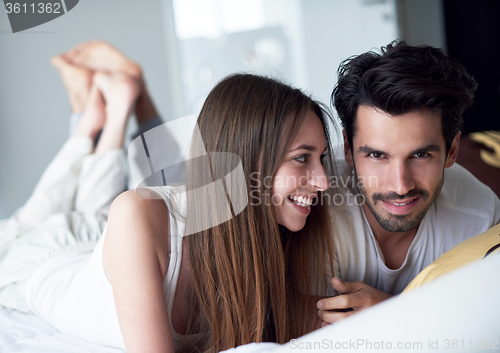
x,y
304,147
368,150
431,147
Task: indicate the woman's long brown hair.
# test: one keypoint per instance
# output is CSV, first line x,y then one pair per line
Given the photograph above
x,y
251,276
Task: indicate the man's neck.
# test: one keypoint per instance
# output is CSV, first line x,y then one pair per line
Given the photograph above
x,y
394,245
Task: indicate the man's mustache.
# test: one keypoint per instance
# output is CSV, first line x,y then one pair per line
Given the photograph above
x,y
392,196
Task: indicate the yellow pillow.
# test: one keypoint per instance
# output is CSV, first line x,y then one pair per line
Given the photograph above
x,y
475,248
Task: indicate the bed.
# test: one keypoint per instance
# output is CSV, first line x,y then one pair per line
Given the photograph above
x,y
20,332
459,309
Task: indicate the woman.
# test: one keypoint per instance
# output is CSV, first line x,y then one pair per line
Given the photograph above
x,y
247,279
248,276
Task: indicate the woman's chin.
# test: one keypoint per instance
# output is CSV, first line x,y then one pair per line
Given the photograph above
x,y
294,226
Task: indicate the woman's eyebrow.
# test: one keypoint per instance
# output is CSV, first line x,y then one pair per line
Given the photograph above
x,y
304,147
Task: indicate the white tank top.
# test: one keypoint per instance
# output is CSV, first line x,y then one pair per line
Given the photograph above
x,y
71,291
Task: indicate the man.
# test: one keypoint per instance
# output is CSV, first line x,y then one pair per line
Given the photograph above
x,y
402,115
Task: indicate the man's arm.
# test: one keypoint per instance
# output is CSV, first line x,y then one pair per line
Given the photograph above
x,y
355,296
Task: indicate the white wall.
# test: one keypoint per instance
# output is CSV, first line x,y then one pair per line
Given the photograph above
x,y
314,36
34,108
422,22
337,29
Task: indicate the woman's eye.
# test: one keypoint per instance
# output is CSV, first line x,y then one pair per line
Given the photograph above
x,y
302,158
324,155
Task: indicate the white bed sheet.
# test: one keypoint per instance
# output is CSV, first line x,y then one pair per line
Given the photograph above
x,y
458,312
462,305
20,332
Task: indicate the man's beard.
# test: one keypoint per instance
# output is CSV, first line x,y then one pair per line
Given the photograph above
x,y
400,223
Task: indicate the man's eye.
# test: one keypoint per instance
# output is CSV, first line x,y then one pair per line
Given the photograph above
x,y
421,155
302,158
376,155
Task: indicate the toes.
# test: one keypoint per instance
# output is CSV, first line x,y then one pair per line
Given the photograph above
x,y
76,52
70,55
78,48
59,61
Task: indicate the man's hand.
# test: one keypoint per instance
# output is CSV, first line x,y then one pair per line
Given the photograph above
x,y
355,296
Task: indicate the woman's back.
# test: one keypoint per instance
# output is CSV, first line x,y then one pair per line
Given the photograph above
x,y
75,295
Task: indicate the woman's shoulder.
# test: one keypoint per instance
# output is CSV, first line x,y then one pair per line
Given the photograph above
x,y
135,260
138,227
144,208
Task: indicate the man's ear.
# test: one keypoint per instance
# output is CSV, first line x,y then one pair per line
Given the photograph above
x,y
453,153
347,150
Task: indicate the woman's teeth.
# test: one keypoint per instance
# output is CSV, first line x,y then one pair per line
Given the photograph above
x,y
301,201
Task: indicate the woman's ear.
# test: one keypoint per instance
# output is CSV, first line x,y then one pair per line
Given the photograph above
x,y
453,153
347,150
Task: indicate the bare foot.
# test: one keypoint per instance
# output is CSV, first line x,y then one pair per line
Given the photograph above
x,y
77,81
120,93
118,90
94,116
101,56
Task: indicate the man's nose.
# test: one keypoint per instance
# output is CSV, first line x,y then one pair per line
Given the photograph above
x,y
400,178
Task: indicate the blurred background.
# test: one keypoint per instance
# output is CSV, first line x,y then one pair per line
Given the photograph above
x,y
186,46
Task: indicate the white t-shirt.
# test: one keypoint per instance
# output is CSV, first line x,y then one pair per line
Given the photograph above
x,y
464,208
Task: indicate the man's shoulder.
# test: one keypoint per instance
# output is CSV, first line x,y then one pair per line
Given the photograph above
x,y
464,193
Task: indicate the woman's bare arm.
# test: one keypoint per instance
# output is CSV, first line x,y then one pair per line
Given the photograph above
x,y
134,258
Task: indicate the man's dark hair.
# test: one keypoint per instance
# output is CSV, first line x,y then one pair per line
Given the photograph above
x,y
402,79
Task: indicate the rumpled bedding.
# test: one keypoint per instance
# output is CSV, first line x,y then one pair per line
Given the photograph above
x,y
462,305
21,332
